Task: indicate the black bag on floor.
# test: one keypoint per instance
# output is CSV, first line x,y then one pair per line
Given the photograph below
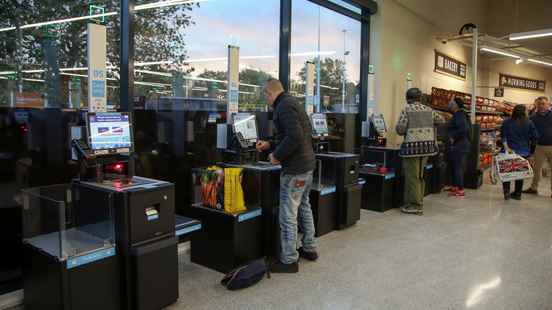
x,y
245,276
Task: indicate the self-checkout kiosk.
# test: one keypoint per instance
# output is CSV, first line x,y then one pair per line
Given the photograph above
x,y
107,239
108,232
229,240
336,173
143,209
380,166
337,191
323,197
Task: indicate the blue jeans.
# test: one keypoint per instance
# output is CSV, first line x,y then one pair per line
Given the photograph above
x,y
295,209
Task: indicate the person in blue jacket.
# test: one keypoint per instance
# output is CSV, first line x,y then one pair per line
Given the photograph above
x,y
458,132
519,135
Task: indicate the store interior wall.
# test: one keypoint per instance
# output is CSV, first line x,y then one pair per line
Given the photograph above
x,y
403,42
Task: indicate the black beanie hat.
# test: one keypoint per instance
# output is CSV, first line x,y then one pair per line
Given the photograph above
x,y
413,95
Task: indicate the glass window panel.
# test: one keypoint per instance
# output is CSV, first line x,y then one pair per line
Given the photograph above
x,y
43,52
332,41
190,51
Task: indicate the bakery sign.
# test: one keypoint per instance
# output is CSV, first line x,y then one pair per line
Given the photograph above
x,y
449,66
506,80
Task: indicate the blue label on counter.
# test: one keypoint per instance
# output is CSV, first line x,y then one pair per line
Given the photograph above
x,y
249,215
188,230
327,190
390,176
153,217
90,258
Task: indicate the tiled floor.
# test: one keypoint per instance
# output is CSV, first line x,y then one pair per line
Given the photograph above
x,y
474,253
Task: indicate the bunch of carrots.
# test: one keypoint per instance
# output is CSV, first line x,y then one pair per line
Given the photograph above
x,y
211,178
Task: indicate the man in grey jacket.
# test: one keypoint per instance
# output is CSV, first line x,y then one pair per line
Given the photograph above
x,y
292,149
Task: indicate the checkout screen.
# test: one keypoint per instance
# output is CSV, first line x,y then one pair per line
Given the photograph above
x,y
319,124
247,127
109,131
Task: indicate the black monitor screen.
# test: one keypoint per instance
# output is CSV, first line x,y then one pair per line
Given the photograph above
x,y
319,124
109,131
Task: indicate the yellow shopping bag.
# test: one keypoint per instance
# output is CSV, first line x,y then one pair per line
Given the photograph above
x,y
233,192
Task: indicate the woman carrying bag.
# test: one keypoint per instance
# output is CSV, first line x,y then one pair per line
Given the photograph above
x,y
519,135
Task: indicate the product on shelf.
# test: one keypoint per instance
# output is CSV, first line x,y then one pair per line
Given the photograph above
x,y
508,107
440,98
485,160
489,121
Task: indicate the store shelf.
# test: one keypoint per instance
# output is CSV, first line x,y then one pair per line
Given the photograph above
x,y
486,113
489,129
468,111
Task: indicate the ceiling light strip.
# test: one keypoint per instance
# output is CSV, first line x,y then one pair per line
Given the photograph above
x,y
499,52
531,34
539,62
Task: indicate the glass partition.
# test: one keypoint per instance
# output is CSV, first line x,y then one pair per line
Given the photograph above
x,y
54,223
332,42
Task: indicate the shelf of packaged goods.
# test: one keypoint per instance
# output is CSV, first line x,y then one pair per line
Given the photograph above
x,y
468,111
486,112
489,129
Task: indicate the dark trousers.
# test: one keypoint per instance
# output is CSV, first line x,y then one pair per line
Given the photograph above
x,y
458,166
518,187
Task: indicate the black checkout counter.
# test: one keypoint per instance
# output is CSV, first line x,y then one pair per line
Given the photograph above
x,y
228,240
382,169
336,196
108,232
